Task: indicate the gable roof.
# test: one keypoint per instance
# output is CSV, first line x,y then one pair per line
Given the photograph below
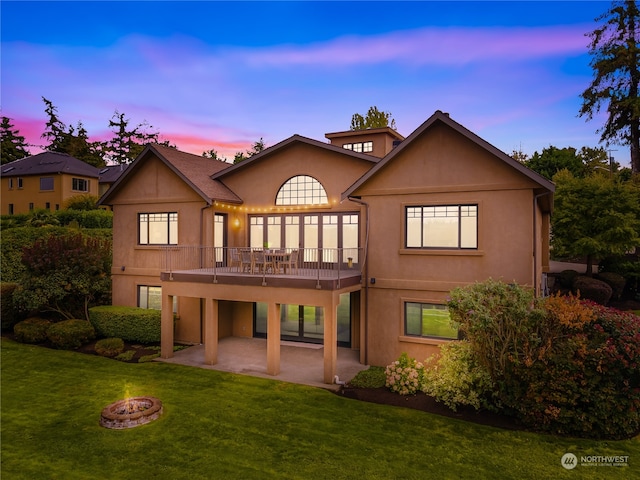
x,y
194,170
439,116
288,142
49,163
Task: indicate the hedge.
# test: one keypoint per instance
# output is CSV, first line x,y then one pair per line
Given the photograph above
x,y
132,324
78,218
15,239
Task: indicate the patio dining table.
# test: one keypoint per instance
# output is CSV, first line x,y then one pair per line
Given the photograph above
x,y
277,259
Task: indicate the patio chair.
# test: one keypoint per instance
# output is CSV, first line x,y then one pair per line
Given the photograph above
x,y
291,262
234,258
246,260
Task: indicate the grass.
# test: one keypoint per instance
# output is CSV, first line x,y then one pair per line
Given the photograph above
x,y
220,425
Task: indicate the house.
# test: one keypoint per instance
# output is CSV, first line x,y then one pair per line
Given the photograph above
x,y
108,176
353,243
45,181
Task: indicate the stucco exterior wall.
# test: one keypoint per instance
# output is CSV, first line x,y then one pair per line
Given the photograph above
x,y
441,169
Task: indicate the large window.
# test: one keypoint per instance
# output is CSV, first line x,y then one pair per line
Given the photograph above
x,y
428,320
80,185
442,226
302,190
46,183
158,228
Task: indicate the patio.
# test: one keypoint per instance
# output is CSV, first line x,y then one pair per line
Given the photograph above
x,y
300,363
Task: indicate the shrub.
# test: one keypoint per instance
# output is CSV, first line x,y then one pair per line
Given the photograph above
x,y
404,376
70,334
86,218
83,201
566,278
66,274
456,378
592,289
125,356
568,366
588,383
9,312
373,377
109,347
615,281
495,317
31,330
132,324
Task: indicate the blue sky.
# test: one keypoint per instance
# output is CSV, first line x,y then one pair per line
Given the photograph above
x,y
222,75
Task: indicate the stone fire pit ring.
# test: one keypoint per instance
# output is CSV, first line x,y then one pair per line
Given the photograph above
x,y
131,412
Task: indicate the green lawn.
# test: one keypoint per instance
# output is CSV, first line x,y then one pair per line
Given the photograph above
x,y
219,425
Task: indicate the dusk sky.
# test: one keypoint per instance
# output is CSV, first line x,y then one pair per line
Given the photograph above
x,y
221,75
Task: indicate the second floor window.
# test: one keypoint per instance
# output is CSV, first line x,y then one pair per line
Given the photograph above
x,y
46,183
158,228
302,190
362,147
80,185
442,226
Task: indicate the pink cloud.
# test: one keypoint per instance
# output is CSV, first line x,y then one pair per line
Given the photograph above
x,y
439,46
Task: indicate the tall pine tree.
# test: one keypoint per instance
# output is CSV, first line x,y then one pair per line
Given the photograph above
x,y
615,51
12,144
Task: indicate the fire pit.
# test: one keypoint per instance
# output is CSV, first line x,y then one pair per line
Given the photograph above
x,y
131,412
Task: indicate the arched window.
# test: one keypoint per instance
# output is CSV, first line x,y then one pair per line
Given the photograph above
x,y
302,190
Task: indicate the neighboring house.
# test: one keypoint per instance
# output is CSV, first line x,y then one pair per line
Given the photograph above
x,y
45,181
356,243
108,176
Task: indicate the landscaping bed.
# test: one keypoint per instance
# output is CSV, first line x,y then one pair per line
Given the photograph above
x,y
425,403
132,353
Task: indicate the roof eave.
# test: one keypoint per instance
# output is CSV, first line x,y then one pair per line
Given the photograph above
x,y
286,143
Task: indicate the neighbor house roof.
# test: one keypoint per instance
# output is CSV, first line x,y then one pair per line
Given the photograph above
x,y
439,116
49,163
294,139
194,170
112,173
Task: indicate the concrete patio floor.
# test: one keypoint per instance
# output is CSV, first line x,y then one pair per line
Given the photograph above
x,y
300,363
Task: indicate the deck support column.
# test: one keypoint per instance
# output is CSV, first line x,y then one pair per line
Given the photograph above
x,y
330,340
211,331
166,327
273,338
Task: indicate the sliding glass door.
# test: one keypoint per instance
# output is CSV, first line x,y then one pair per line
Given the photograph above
x,y
304,323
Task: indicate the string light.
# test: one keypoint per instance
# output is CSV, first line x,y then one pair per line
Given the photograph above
x,y
274,208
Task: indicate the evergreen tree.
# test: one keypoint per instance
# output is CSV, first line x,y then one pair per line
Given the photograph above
x,y
615,50
70,140
128,143
12,144
256,148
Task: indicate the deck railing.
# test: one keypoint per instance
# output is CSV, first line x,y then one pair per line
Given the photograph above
x,y
264,262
